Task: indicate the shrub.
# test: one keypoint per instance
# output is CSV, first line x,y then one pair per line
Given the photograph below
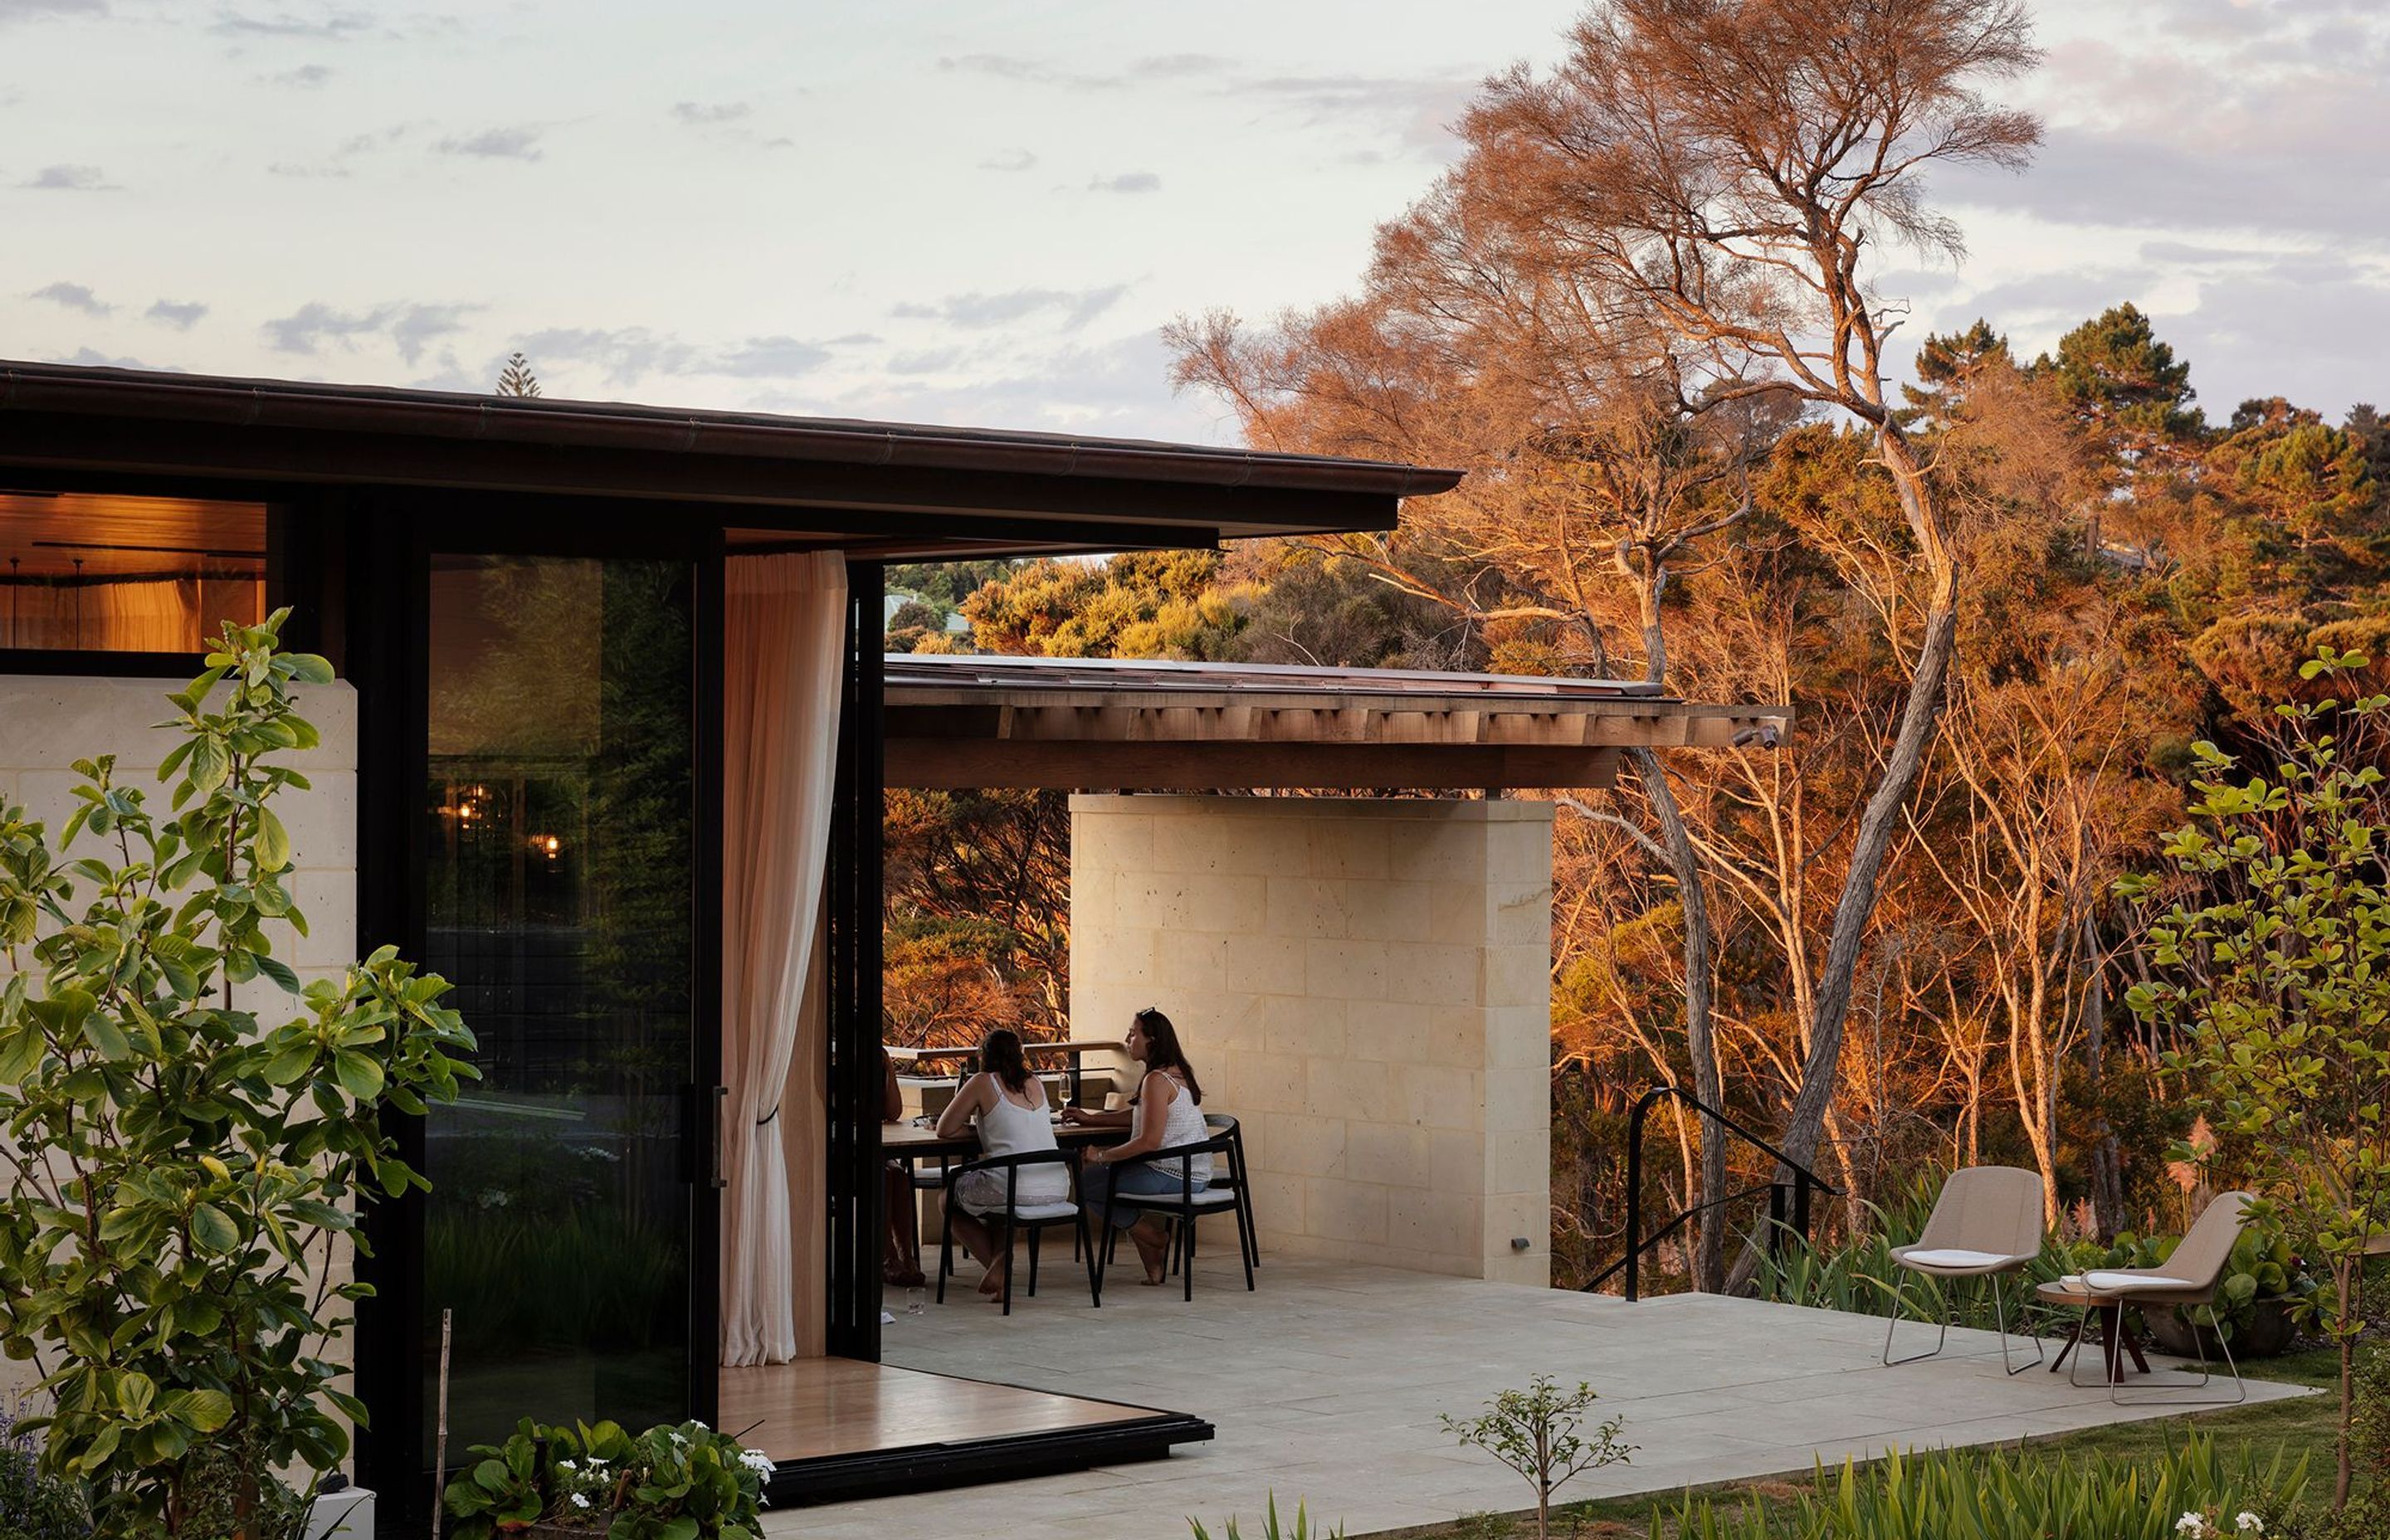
x,y
181,1171
2003,1494
1302,1530
684,1482
33,1505
1534,1432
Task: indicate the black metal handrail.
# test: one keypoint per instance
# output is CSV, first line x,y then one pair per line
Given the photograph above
x,y
1802,1181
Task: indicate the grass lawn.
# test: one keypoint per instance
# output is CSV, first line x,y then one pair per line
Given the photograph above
x,y
2307,1425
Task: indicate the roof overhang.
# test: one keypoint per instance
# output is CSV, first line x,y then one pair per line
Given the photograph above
x,y
885,478
958,723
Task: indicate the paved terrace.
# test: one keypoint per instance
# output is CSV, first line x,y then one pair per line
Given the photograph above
x,y
1326,1385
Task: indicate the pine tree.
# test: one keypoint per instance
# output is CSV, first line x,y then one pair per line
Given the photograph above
x,y
516,378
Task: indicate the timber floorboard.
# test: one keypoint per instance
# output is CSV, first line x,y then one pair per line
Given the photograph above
x,y
823,1407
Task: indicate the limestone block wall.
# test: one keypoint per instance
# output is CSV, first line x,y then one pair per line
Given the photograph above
x,y
48,722
1366,983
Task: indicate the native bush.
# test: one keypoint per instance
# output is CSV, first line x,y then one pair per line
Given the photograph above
x,y
684,1482
2273,976
183,1167
2006,1494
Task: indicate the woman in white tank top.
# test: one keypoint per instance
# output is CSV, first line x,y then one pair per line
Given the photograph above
x,y
1009,1103
1168,1112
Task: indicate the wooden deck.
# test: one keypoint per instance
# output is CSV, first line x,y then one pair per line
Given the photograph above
x,y
826,1408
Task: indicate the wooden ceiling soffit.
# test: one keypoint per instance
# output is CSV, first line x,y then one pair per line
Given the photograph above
x,y
1252,743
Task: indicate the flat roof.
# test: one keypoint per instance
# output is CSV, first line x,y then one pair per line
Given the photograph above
x,y
957,722
75,415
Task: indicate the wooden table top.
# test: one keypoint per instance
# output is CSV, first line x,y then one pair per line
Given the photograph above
x,y
908,1141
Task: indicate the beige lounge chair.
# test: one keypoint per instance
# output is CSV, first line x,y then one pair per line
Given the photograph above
x,y
1986,1224
2188,1279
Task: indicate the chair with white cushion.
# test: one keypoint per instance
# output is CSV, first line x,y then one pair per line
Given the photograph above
x,y
1986,1223
1012,1216
2189,1278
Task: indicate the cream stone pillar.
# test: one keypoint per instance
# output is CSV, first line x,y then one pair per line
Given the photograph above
x,y
48,722
1367,985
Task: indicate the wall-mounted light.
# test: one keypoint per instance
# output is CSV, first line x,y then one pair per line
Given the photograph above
x,y
549,845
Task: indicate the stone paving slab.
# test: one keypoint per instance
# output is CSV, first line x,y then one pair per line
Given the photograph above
x,y
1326,1385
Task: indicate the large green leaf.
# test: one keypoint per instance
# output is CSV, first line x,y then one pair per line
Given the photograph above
x,y
213,1230
359,1075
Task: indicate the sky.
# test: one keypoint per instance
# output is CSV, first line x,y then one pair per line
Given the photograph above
x,y
984,212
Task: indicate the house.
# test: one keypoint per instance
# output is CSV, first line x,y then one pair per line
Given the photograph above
x,y
606,749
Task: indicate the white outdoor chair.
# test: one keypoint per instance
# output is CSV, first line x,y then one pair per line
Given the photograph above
x,y
2188,1278
1986,1223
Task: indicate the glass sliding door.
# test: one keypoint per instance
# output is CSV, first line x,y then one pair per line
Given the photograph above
x,y
558,827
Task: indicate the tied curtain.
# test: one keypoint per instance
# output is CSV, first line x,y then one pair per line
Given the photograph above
x,y
784,654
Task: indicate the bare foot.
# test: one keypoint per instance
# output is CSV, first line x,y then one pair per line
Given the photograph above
x,y
992,1283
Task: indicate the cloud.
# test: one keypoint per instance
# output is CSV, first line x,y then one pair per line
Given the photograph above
x,y
927,361
519,143
36,10
307,77
1127,182
409,327
292,168
770,358
75,296
1121,387
1037,72
707,115
1009,160
1413,109
977,311
69,179
182,317
2209,116
625,355
91,358
329,27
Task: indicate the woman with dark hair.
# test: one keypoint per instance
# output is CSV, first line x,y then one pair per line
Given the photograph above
x,y
1009,1103
1166,1113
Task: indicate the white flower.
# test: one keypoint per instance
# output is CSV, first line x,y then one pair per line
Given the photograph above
x,y
567,1465
2249,1524
2191,1523
580,1499
757,1461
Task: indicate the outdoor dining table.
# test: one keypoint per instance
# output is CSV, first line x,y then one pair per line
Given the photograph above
x,y
908,1142
967,1059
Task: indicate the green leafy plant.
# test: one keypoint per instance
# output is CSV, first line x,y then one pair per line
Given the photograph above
x,y
2273,980
1302,1530
2003,1494
183,1170
1534,1432
34,1504
671,1483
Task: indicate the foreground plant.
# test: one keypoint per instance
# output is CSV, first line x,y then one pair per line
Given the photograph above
x,y
2276,986
1534,1432
684,1482
2010,1495
181,1170
1302,1530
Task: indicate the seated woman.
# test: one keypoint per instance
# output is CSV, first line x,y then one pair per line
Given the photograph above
x,y
900,1258
1166,1113
1009,1103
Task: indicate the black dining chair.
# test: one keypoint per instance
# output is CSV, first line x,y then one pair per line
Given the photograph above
x,y
1014,1217
1188,1204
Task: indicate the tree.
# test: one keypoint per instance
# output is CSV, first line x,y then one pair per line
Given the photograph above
x,y
516,378
1534,1432
180,1171
2273,975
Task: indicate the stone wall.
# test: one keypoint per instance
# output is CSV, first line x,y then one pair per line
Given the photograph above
x,y
1366,983
47,723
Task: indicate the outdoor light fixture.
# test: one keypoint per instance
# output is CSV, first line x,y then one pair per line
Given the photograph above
x,y
549,845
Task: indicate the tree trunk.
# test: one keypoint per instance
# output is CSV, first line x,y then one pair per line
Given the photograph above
x,y
1820,1076
1701,1047
2107,1164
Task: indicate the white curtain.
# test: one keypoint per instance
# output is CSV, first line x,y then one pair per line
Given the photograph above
x,y
784,629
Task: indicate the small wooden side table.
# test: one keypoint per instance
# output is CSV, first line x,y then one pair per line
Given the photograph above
x,y
2116,1339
